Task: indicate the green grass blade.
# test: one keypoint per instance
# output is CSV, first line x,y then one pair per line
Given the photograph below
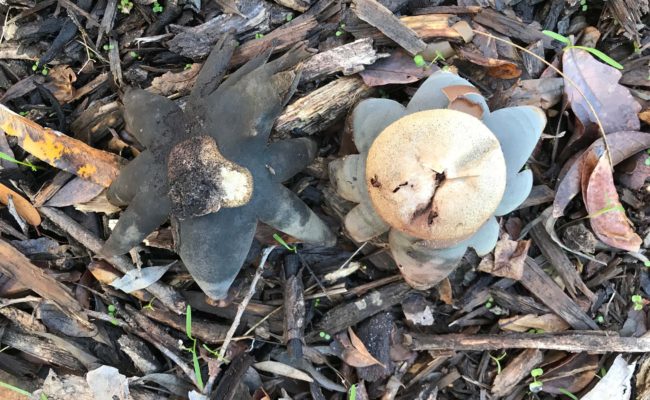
x,y
9,158
603,57
15,389
188,322
568,394
352,394
557,37
197,368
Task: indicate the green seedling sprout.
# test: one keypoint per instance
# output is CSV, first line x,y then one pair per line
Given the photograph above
x,y
637,300
107,47
600,319
439,57
352,393
195,358
536,386
497,361
7,157
565,40
111,312
216,354
149,305
188,66
289,17
259,35
340,31
583,5
489,303
567,394
316,303
279,239
125,6
156,8
324,335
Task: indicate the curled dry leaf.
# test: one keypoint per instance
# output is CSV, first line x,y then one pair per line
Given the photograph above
x,y
509,258
279,368
545,322
621,145
502,69
357,355
60,80
606,213
399,67
572,374
60,150
22,205
175,82
613,103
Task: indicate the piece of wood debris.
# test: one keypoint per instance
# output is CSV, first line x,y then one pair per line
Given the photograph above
x,y
549,293
592,342
426,27
383,19
15,265
351,313
321,108
513,28
515,371
161,291
347,59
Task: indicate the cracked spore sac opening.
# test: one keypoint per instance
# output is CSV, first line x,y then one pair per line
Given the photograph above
x,y
200,179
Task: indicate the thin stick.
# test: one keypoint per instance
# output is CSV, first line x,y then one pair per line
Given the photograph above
x,y
601,129
242,306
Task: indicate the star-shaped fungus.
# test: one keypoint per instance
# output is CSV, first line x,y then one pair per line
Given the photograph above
x,y
434,174
210,168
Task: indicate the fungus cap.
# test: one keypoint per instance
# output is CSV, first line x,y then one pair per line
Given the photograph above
x,y
436,175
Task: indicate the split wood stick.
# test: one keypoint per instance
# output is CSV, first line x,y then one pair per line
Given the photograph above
x,y
592,342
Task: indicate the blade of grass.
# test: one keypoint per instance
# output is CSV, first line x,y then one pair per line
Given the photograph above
x,y
604,57
188,322
15,389
557,37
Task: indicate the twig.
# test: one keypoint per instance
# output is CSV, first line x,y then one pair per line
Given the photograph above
x,y
242,306
601,129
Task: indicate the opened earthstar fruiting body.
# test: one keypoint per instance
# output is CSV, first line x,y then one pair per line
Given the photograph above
x,y
211,169
435,173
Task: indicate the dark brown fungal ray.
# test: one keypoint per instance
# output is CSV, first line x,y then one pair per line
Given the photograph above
x,y
211,169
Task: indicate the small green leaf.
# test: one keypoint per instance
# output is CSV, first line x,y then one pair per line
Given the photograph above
x,y
419,60
636,298
568,394
557,37
188,322
537,372
279,239
603,57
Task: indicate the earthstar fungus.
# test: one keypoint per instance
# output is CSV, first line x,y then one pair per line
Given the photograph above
x,y
434,174
211,169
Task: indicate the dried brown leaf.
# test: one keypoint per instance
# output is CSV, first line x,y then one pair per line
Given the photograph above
x,y
607,215
59,150
175,82
502,69
572,374
612,102
60,80
509,258
398,68
357,355
621,144
545,322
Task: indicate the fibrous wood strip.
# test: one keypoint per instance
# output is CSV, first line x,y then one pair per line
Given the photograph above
x,y
383,19
15,265
513,28
353,312
427,27
548,292
322,107
571,342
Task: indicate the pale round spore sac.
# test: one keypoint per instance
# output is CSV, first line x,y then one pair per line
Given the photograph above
x,y
436,175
